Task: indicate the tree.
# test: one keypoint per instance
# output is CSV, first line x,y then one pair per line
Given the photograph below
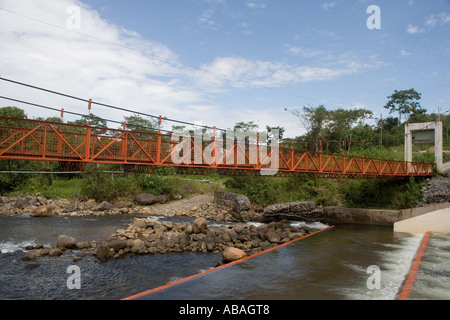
x,y
405,102
11,112
94,121
138,123
246,126
343,120
281,131
314,120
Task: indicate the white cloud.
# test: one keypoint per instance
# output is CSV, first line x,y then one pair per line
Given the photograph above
x,y
255,4
237,72
329,5
405,53
438,19
307,53
414,29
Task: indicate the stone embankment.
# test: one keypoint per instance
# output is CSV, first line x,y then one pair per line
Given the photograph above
x,y
435,191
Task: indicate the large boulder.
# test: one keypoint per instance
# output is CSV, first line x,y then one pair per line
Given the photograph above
x,y
145,198
42,211
199,225
231,254
295,211
104,206
23,202
65,242
238,203
103,252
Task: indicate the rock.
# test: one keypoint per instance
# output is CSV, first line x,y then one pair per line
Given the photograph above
x,y
136,245
32,265
295,211
83,245
199,225
116,244
55,252
187,188
21,203
163,198
436,190
43,211
29,255
231,254
104,206
72,207
103,252
88,205
145,198
176,196
240,228
65,242
272,236
184,239
123,204
140,223
238,203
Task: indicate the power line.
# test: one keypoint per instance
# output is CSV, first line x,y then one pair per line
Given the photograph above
x,y
103,104
73,113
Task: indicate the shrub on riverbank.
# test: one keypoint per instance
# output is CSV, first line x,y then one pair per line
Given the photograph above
x,y
383,194
269,190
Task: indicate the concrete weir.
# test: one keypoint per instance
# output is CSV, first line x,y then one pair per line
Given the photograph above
x,y
436,221
341,215
433,218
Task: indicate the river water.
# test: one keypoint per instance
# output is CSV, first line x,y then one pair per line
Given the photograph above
x,y
344,263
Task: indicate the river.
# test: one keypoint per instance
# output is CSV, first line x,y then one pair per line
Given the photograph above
x,y
347,262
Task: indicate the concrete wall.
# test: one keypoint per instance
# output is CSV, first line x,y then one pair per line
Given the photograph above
x,y
340,215
436,221
414,212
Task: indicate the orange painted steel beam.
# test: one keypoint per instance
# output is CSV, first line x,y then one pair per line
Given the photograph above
x,y
406,290
35,140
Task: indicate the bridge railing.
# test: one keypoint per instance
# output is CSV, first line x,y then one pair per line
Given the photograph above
x,y
36,140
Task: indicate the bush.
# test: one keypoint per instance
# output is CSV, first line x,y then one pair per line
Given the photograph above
x,y
155,184
103,186
271,190
381,194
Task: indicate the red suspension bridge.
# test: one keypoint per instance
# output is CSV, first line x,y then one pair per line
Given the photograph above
x,y
74,146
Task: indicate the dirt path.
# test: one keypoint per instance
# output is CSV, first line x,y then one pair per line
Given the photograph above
x,y
193,205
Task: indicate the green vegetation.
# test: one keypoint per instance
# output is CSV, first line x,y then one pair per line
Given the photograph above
x,y
271,190
381,194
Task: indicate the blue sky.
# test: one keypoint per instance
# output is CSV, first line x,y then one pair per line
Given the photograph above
x,y
218,62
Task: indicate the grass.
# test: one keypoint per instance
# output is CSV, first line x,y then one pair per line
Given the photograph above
x,y
58,187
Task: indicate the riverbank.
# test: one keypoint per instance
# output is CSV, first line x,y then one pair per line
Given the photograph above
x,y
194,205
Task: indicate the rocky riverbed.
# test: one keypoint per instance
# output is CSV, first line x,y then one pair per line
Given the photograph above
x,y
147,235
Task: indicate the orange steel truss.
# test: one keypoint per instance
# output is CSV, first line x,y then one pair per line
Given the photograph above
x,y
73,146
